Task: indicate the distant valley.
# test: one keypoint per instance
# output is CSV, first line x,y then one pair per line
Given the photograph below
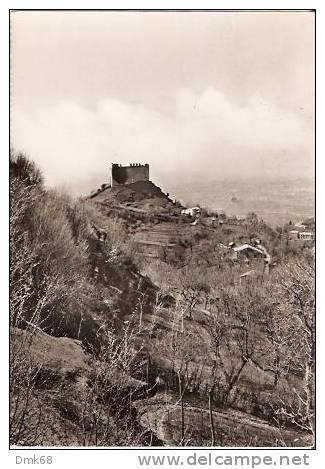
x,y
276,202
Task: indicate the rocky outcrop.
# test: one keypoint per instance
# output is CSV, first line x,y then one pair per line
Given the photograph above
x,y
61,357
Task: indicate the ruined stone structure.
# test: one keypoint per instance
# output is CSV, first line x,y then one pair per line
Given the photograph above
x,y
121,175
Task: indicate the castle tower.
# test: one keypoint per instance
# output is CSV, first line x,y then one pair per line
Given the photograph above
x,y
123,175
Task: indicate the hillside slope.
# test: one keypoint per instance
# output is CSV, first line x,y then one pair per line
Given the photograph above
x,y
119,300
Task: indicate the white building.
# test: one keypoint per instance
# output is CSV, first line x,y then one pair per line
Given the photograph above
x,y
306,235
293,234
191,212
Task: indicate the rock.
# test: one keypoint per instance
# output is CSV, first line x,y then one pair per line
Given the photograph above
x,y
62,357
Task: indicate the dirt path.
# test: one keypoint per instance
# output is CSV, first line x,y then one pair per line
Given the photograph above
x,y
163,419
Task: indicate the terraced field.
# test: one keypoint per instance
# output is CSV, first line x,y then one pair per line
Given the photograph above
x,y
152,242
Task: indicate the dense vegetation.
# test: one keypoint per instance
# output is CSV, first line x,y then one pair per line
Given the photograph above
x,y
108,348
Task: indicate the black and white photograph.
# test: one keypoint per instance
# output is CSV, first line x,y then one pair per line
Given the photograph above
x,y
162,229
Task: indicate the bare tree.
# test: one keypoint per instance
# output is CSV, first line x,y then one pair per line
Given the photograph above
x,y
297,311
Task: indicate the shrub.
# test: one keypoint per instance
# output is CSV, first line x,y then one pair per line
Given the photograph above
x,y
23,168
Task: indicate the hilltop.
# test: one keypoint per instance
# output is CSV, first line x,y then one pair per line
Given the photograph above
x,y
161,231
142,195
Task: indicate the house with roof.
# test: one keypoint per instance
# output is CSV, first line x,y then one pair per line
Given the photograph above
x,y
256,256
301,235
248,252
306,235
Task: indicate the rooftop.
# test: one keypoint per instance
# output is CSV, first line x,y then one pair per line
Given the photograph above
x,y
243,247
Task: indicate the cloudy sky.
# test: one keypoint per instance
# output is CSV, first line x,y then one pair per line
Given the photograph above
x,y
220,95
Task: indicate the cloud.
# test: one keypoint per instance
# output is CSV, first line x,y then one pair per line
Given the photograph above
x,y
206,133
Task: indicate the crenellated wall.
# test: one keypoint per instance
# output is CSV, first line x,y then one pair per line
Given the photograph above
x,y
129,174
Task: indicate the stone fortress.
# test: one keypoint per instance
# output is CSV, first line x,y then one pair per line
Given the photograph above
x,y
134,172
